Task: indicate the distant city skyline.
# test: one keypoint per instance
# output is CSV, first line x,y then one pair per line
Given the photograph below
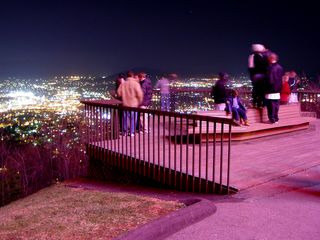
x,y
47,38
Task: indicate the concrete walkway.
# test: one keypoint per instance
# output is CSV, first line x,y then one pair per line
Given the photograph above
x,y
287,208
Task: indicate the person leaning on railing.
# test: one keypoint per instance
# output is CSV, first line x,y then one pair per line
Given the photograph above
x,y
132,96
146,87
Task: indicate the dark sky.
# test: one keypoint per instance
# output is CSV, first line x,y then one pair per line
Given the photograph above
x,y
54,37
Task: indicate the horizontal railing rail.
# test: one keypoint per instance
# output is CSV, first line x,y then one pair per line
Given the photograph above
x,y
309,99
187,151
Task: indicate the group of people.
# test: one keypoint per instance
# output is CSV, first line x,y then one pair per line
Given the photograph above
x,y
271,86
134,90
231,103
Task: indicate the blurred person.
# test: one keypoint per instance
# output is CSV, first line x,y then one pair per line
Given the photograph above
x,y
273,87
219,92
293,83
258,65
146,87
120,79
285,90
235,107
164,85
132,96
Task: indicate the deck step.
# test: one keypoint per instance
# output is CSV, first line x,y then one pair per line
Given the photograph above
x,y
290,119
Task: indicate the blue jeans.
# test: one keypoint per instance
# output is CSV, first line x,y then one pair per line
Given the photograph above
x,y
238,113
129,118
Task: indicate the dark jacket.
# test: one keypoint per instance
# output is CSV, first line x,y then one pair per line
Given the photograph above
x,y
274,78
229,104
219,92
146,87
260,61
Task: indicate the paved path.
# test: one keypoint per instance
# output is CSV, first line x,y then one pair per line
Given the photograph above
x,y
287,208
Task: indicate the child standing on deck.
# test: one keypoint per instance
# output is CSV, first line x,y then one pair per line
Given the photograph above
x,y
234,106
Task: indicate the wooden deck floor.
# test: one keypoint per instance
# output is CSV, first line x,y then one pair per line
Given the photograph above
x,y
253,162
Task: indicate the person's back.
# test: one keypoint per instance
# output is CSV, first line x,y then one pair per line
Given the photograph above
x,y
274,79
164,85
131,93
219,92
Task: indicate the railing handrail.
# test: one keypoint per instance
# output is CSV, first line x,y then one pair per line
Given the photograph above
x,y
113,104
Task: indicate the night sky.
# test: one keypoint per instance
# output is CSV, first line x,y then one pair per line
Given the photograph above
x,y
47,38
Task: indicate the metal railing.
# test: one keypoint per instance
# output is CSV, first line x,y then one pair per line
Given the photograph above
x,y
309,100
186,151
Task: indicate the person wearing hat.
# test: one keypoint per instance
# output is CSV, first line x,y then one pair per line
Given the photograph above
x,y
219,92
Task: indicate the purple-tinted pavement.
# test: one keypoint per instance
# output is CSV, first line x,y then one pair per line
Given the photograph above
x,y
288,208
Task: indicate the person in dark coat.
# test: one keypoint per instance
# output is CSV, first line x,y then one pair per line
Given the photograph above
x,y
146,87
258,65
238,110
273,87
219,92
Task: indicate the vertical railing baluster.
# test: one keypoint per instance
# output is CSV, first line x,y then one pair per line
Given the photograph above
x,y
86,118
159,148
181,155
118,136
123,160
164,149
126,134
135,122
187,159
221,155
141,127
104,134
149,155
193,152
100,133
214,156
207,154
175,151
229,156
130,140
97,132
169,166
200,145
154,146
